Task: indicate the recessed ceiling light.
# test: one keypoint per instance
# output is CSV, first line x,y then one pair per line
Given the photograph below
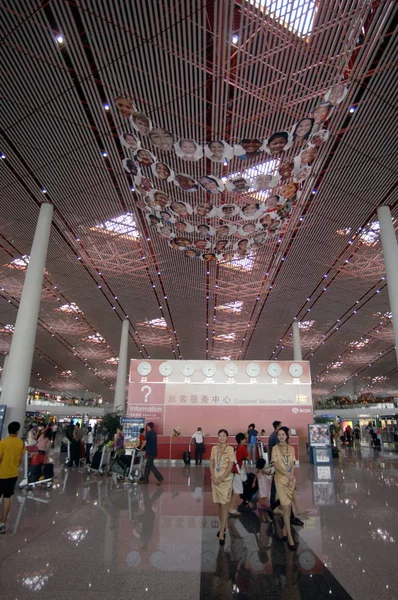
x,y
235,39
106,107
44,191
2,156
352,110
60,39
104,154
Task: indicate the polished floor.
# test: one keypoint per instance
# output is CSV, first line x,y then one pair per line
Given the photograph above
x,y
90,538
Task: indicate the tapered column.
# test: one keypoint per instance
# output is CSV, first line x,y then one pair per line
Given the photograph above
x,y
297,353
17,377
390,253
3,373
120,391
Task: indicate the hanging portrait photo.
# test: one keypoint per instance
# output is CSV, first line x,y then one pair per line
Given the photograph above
x,y
284,211
225,230
202,244
266,181
319,137
131,166
302,174
181,209
221,245
219,151
143,185
286,170
205,230
141,123
211,184
162,171
248,148
336,94
227,210
162,139
275,227
125,106
208,256
191,253
303,129
144,157
273,201
153,220
159,199
166,232
183,227
289,190
188,150
239,184
259,238
129,141
278,142
205,210
186,182
242,246
307,156
166,217
251,211
322,112
181,242
248,228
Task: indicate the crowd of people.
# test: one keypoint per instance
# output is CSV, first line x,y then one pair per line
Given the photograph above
x,y
273,486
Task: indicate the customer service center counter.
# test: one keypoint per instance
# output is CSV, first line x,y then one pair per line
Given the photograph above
x,y
173,447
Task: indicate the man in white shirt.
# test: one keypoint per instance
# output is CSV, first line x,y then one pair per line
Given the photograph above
x,y
197,438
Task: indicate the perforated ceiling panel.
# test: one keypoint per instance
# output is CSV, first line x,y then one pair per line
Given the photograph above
x,y
207,71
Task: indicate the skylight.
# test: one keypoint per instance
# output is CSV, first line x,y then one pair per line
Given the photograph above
x,y
305,325
336,364
370,235
235,307
96,338
227,337
22,262
124,225
160,323
70,308
359,343
379,379
112,361
224,358
295,15
246,263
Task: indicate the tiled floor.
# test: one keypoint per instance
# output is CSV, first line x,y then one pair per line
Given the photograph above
x,y
87,538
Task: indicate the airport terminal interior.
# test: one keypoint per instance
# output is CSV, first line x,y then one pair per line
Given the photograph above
x,y
198,299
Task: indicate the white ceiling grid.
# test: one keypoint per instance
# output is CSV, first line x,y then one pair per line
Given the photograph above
x,y
178,63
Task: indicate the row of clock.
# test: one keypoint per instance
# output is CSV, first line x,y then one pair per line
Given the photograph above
x,y
230,369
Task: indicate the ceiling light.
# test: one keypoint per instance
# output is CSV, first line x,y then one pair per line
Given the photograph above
x,y
352,110
235,39
106,107
44,191
2,156
60,39
104,154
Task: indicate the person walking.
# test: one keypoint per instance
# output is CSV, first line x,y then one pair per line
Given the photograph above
x,y
11,453
240,475
54,429
273,440
89,445
119,442
252,435
285,481
197,439
44,444
151,446
222,460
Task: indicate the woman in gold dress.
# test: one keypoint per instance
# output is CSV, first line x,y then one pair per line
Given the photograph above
x,y
222,460
285,482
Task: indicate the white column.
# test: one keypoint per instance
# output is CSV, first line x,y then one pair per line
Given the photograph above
x,y
3,373
17,376
390,253
297,354
119,402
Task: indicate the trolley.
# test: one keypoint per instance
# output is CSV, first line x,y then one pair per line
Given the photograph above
x,y
30,452
104,461
132,471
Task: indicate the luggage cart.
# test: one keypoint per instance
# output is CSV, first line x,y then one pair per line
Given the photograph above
x,y
133,472
24,483
104,461
261,452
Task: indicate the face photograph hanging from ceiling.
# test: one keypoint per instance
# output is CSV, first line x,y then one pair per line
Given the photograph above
x,y
278,142
125,106
286,170
192,253
273,201
303,129
322,112
202,244
153,220
159,199
131,166
211,184
336,94
289,190
251,211
205,210
144,157
129,141
242,246
221,245
248,228
284,211
205,230
266,181
183,227
186,182
219,151
166,217
163,171
238,185
307,156
227,210
162,139
143,185
141,123
166,232
208,256
319,137
225,230
181,209
260,238
248,148
303,174
188,150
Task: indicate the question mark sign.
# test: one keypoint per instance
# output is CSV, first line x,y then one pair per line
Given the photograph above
x,y
149,392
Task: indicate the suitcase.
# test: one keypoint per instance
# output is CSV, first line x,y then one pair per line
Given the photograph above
x,y
64,448
377,443
34,473
48,470
95,463
248,490
186,457
37,459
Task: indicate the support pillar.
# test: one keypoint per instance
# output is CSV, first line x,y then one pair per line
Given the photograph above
x,y
3,373
17,377
119,402
390,253
297,353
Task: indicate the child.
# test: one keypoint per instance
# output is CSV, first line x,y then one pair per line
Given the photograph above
x,y
264,480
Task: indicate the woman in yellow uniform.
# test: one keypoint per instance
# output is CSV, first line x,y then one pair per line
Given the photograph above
x,y
221,462
285,482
